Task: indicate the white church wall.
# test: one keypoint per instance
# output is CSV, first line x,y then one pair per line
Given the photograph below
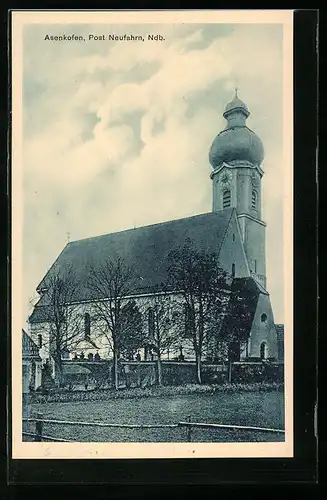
x,y
103,340
255,245
38,374
37,329
174,305
232,251
97,328
263,330
32,374
243,190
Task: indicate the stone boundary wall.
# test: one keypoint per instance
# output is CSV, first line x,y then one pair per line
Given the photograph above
x,y
91,375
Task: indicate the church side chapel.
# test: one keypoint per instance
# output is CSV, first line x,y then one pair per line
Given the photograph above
x,y
234,231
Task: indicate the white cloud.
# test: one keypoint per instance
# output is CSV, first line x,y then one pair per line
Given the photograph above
x,y
123,99
153,169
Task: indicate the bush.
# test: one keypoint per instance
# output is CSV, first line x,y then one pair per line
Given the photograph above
x,y
164,391
258,372
177,374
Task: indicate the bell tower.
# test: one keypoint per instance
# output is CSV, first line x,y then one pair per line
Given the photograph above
x,y
236,155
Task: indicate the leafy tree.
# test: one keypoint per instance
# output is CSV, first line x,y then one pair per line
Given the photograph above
x,y
131,330
239,317
205,288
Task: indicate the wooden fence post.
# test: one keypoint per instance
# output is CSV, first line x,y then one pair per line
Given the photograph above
x,y
230,371
138,368
189,430
38,427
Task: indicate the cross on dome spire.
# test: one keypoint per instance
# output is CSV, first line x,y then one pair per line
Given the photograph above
x,y
236,111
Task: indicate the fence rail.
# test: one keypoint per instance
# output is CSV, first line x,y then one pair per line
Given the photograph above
x,y
47,438
102,424
225,426
189,425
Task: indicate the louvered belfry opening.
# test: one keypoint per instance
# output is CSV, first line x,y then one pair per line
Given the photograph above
x,y
254,200
226,199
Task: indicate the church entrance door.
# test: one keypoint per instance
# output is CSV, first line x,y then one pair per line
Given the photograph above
x,y
263,350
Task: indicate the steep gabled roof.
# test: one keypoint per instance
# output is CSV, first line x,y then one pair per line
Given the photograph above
x,y
40,313
145,249
29,347
260,286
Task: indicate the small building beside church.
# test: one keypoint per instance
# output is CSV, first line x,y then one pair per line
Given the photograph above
x,y
280,342
32,364
234,230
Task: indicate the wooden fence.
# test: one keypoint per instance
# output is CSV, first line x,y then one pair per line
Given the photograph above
x,y
188,425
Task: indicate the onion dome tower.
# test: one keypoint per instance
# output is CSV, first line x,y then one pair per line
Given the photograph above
x,y
237,142
236,155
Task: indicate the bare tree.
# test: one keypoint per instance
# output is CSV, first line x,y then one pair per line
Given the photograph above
x,y
111,282
205,288
162,333
62,312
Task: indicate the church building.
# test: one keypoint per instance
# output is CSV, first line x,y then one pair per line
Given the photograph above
x,y
234,230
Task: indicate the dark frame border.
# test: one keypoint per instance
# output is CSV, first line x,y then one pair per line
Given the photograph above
x,y
302,468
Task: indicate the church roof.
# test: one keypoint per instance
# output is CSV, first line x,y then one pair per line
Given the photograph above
x,y
145,249
260,287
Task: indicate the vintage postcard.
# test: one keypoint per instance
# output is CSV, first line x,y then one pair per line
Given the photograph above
x,y
152,209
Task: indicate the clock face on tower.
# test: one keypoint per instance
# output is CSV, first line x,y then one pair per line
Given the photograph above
x,y
225,178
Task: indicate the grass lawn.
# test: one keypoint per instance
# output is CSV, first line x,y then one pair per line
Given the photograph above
x,y
262,409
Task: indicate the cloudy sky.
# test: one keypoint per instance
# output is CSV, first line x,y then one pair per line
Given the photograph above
x,y
117,134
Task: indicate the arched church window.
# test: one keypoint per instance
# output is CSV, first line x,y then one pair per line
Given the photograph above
x,y
233,269
254,200
263,318
87,326
263,350
255,265
226,198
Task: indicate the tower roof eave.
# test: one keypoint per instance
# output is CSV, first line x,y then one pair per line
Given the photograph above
x,y
238,165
